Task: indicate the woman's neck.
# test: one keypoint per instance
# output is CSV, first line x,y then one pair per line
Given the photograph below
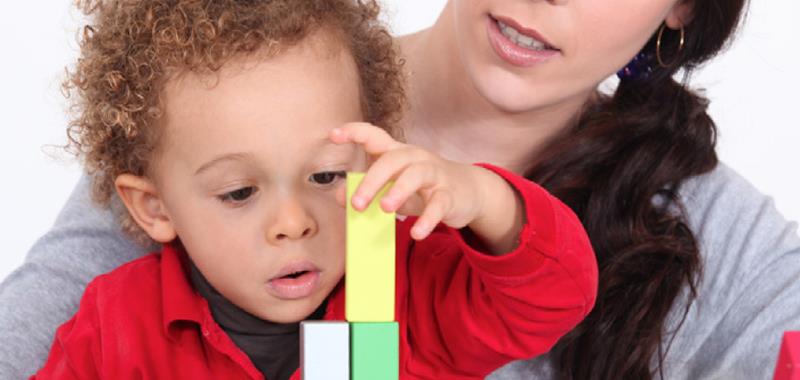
x,y
447,115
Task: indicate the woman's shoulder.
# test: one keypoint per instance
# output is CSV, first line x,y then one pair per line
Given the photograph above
x,y
739,230
746,295
723,209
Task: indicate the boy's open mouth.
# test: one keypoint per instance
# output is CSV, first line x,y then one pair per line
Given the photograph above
x,y
295,274
296,280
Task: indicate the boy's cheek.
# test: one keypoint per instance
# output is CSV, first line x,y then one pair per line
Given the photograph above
x,y
341,195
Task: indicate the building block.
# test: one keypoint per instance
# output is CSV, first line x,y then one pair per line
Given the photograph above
x,y
788,367
325,350
370,260
374,351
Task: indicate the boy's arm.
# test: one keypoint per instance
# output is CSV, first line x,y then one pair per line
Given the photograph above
x,y
44,292
500,223
471,312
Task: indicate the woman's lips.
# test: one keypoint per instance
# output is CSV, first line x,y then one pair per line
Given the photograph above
x,y
513,53
294,281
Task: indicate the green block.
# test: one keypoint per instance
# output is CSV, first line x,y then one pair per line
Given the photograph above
x,y
374,351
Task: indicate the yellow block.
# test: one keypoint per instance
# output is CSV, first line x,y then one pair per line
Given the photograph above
x,y
370,259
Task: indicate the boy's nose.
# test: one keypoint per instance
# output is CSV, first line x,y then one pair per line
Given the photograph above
x,y
292,222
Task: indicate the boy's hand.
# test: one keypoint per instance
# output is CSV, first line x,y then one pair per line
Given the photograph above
x,y
435,189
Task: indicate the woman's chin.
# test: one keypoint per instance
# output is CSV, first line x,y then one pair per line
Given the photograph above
x,y
515,95
506,91
509,101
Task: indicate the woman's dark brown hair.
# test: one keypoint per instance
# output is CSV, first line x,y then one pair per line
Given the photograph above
x,y
620,169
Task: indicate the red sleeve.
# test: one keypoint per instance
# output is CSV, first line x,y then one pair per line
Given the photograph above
x,y
76,350
470,313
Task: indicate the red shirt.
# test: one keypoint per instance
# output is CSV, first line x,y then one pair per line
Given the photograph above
x,y
462,313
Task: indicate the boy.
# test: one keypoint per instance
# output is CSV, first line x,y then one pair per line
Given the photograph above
x,y
226,128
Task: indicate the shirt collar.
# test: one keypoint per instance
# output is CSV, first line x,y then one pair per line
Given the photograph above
x,y
180,301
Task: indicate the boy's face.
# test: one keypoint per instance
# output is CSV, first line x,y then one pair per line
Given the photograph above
x,y
248,178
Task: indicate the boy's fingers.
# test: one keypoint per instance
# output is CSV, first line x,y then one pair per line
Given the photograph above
x,y
412,206
379,173
374,140
415,177
438,206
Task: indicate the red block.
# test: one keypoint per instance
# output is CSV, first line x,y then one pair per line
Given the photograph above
x,y
788,367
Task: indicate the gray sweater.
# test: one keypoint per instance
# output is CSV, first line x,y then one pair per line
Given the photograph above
x,y
747,298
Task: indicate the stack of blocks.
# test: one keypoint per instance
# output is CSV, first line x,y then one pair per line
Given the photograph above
x,y
366,347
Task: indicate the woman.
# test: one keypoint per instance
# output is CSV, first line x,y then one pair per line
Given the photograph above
x,y
697,268
682,294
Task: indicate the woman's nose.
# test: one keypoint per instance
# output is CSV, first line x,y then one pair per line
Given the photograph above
x,y
291,222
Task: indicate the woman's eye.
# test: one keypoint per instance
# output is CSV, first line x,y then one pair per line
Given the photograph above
x,y
238,195
326,178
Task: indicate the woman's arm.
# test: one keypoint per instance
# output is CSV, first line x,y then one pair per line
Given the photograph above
x,y
44,292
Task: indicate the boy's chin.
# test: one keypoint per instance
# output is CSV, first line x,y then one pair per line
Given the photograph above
x,y
292,312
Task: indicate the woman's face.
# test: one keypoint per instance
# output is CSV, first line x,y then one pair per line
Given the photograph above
x,y
523,55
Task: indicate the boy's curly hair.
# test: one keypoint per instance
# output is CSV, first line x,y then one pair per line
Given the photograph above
x,y
131,47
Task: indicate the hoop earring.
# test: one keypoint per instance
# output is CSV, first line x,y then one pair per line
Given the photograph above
x,y
658,46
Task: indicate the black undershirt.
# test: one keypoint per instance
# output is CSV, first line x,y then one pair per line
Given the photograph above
x,y
274,348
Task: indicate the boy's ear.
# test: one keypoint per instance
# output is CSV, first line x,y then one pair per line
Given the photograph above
x,y
145,206
681,14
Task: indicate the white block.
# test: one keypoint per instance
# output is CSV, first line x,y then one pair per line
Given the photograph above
x,y
325,350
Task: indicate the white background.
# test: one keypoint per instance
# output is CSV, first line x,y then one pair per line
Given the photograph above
x,y
753,90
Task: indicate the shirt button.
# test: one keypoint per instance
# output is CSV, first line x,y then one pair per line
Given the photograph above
x,y
205,332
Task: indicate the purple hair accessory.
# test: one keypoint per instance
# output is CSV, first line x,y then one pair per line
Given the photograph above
x,y
639,68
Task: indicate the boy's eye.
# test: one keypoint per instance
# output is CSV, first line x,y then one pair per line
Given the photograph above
x,y
238,195
325,178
